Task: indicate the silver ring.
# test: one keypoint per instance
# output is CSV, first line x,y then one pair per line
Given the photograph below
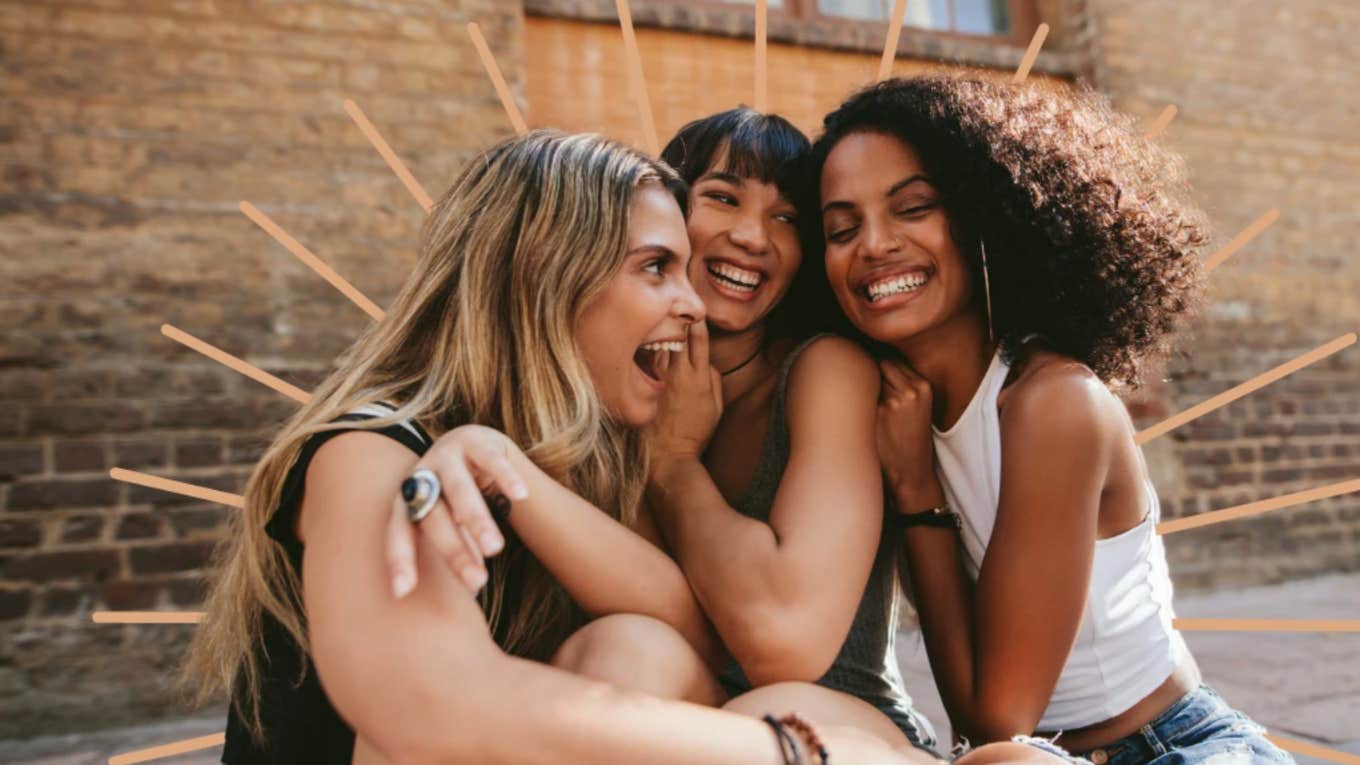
x,y
420,492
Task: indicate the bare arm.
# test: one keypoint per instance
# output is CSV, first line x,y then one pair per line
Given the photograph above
x,y
421,681
603,565
782,594
997,649
606,567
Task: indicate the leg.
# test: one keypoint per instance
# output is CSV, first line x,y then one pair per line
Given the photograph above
x,y
1009,752
640,653
826,708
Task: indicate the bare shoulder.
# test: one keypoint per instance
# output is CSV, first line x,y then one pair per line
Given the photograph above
x,y
833,386
834,361
1060,395
353,472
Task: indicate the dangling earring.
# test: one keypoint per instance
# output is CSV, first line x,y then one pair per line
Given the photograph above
x,y
987,290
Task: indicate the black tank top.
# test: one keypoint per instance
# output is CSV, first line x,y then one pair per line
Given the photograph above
x,y
300,724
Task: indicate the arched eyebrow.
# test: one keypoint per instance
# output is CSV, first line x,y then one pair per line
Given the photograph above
x,y
839,204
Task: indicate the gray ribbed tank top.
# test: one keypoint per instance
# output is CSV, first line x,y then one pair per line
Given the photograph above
x,y
866,666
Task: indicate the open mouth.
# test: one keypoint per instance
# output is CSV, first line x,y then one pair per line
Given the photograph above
x,y
654,358
740,280
897,284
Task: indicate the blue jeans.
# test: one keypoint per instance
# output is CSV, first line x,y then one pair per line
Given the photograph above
x,y
1200,728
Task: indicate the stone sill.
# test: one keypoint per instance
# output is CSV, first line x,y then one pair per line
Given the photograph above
x,y
866,37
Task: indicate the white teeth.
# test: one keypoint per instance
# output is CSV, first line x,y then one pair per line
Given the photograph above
x,y
895,285
743,278
665,345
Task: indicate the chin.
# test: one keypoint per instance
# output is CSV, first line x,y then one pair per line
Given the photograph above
x,y
637,414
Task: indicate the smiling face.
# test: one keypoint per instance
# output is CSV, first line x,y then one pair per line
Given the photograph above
x,y
890,255
626,333
746,249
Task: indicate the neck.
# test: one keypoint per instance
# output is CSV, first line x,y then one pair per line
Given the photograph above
x,y
728,350
953,357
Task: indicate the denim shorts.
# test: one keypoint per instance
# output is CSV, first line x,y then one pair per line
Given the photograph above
x,y
1200,728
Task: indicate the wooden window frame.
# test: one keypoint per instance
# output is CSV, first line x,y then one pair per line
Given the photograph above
x,y
1024,16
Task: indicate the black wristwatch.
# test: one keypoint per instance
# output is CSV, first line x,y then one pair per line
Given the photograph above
x,y
940,517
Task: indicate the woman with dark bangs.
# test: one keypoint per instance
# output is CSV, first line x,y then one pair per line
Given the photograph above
x,y
1015,251
766,492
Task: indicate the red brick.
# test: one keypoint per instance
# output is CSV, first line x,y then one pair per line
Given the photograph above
x,y
82,528
20,532
14,604
124,595
70,564
198,452
134,454
20,459
161,559
138,526
62,492
74,456
64,601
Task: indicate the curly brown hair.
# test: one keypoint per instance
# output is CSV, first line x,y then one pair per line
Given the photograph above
x,y
1092,240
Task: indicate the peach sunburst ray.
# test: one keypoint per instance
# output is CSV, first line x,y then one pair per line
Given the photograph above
x,y
639,88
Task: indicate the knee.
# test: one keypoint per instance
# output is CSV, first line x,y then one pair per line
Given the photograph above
x,y
638,653
1007,752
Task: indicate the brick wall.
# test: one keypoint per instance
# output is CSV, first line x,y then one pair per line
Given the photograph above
x,y
1267,101
129,132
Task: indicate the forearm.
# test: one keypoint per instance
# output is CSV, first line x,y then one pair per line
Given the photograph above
x,y
733,562
943,599
603,565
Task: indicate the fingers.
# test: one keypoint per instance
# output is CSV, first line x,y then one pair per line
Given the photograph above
x,y
467,504
498,477
400,550
454,546
898,378
716,377
698,344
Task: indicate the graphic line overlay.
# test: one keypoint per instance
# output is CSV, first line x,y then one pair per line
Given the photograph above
x,y
762,72
1035,44
147,617
1267,625
311,261
1255,383
1313,750
1163,119
1256,508
222,357
178,487
389,156
894,33
644,102
1243,237
497,80
171,749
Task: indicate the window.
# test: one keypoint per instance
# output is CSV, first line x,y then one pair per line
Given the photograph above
x,y
1009,20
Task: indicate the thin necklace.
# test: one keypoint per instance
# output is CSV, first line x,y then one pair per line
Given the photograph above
x,y
744,363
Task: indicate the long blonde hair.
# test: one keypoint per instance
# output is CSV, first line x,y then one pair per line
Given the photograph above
x,y
482,332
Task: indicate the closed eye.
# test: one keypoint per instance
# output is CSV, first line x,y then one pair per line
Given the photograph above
x,y
842,235
721,198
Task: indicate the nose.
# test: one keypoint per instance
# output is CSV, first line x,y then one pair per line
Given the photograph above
x,y
750,233
688,307
879,241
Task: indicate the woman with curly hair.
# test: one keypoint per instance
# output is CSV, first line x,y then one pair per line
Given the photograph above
x,y
1016,251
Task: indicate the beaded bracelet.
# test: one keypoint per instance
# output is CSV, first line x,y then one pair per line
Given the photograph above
x,y
788,747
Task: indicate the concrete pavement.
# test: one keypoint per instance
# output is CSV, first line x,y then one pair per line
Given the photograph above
x,y
1299,685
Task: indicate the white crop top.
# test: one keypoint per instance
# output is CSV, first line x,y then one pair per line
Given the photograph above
x,y
1126,646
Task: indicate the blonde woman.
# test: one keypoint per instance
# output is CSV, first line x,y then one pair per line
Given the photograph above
x,y
527,336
